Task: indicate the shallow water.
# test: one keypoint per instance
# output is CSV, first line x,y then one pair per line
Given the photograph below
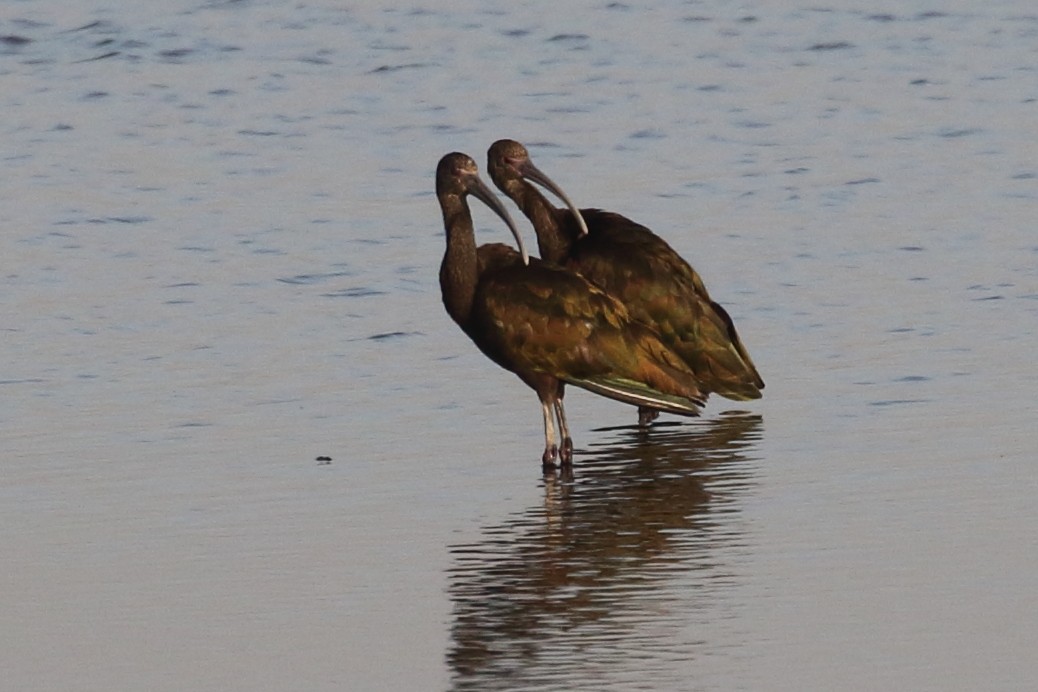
x,y
220,254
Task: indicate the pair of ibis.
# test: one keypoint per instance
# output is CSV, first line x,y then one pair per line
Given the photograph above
x,y
609,306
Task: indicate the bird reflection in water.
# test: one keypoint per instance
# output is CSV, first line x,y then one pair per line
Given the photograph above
x,y
586,572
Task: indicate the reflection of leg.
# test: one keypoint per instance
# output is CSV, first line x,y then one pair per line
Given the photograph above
x,y
551,450
647,415
566,450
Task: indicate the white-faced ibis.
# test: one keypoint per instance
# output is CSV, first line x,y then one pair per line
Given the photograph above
x,y
547,325
639,268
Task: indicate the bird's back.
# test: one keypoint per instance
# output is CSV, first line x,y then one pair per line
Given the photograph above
x,y
661,289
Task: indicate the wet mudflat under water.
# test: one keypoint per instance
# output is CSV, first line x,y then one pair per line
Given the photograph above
x,y
220,250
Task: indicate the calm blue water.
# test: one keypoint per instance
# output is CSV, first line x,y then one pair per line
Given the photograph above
x,y
220,250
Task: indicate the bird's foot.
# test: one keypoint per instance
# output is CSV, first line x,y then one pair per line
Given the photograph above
x,y
566,452
646,416
551,453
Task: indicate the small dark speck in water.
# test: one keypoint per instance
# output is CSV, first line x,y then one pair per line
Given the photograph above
x,y
834,45
12,40
324,461
396,68
913,378
95,95
961,132
911,248
862,181
568,37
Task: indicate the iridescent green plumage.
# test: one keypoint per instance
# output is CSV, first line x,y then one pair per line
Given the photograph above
x,y
547,320
660,288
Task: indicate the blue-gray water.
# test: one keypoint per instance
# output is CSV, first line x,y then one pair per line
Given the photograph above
x,y
220,247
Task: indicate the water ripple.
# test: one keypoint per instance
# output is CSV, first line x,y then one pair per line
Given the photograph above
x,y
355,292
313,278
387,336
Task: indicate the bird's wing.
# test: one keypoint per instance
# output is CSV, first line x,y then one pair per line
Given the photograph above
x,y
545,319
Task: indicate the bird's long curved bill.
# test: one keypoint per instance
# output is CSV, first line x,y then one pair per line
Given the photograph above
x,y
480,190
531,171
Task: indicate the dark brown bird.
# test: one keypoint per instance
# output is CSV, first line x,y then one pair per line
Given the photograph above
x,y
547,325
633,264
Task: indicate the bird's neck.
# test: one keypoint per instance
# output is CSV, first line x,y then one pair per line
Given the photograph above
x,y
553,239
459,271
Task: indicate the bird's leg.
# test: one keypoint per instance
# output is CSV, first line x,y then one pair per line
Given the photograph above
x,y
566,450
550,449
646,415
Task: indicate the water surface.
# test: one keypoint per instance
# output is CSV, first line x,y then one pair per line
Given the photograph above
x,y
220,248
